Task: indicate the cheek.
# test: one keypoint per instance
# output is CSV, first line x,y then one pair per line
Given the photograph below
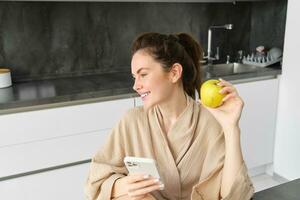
x,y
151,82
157,83
163,87
160,78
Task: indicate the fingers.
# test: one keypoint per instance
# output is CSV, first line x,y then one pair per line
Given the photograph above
x,y
224,83
132,178
228,96
145,190
142,184
228,89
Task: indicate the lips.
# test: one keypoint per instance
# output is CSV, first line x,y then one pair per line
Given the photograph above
x,y
143,95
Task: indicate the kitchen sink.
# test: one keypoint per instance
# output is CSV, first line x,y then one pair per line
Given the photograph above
x,y
228,69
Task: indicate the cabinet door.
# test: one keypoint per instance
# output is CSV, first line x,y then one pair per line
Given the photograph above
x,y
138,101
65,183
46,138
39,125
258,121
23,158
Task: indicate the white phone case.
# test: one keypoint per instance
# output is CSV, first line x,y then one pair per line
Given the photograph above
x,y
145,166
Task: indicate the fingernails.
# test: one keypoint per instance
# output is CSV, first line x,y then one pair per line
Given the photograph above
x,y
146,176
161,186
156,180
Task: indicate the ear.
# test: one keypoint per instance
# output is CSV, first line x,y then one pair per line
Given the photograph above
x,y
175,72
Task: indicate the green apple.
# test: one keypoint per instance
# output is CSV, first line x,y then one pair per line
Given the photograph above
x,y
210,95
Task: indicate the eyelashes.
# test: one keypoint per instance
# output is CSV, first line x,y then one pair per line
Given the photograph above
x,y
142,75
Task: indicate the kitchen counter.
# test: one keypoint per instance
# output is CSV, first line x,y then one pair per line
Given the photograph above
x,y
286,191
34,95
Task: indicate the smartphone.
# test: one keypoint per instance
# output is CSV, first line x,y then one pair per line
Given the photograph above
x,y
145,166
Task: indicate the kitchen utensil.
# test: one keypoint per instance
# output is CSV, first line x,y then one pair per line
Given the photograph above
x,y
275,53
5,78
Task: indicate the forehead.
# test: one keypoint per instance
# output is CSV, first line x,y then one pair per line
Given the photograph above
x,y
142,59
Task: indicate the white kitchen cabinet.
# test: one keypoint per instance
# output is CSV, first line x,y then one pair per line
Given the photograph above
x,y
65,183
45,124
258,121
22,158
138,101
46,138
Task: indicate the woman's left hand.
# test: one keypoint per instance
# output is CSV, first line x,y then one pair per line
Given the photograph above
x,y
229,113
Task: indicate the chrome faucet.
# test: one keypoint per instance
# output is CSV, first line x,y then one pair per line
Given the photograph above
x,y
209,56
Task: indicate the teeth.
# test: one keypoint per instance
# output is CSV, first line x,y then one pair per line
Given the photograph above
x,y
145,94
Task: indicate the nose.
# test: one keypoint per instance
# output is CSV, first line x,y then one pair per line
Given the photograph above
x,y
137,85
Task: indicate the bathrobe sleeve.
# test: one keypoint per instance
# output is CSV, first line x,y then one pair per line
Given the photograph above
x,y
209,186
107,165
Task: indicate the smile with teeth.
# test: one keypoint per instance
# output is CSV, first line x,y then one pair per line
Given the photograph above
x,y
145,94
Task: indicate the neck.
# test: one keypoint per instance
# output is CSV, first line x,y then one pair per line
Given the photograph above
x,y
173,107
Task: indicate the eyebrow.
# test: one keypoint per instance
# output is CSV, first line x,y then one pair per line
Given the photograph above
x,y
140,69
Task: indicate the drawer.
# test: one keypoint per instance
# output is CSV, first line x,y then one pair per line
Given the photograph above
x,y
43,154
39,125
66,183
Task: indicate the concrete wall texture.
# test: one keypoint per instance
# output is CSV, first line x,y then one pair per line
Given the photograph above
x,y
41,40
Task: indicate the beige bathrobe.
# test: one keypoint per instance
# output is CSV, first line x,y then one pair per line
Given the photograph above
x,y
190,157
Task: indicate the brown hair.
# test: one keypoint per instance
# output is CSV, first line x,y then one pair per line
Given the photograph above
x,y
174,48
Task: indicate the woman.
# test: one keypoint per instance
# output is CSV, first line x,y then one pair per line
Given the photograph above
x,y
186,139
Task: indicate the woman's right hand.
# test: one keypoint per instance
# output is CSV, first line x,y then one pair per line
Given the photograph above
x,y
136,186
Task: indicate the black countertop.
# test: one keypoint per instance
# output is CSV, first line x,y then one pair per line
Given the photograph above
x,y
286,191
32,95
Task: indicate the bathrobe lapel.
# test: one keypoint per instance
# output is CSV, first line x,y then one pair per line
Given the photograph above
x,y
174,144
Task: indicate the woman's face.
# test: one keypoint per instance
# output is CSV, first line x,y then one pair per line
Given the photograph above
x,y
152,83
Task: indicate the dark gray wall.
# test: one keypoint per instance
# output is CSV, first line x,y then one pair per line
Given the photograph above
x,y
41,40
268,24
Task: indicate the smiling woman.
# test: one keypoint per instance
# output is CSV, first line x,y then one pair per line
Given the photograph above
x,y
186,139
162,66
167,50
150,82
